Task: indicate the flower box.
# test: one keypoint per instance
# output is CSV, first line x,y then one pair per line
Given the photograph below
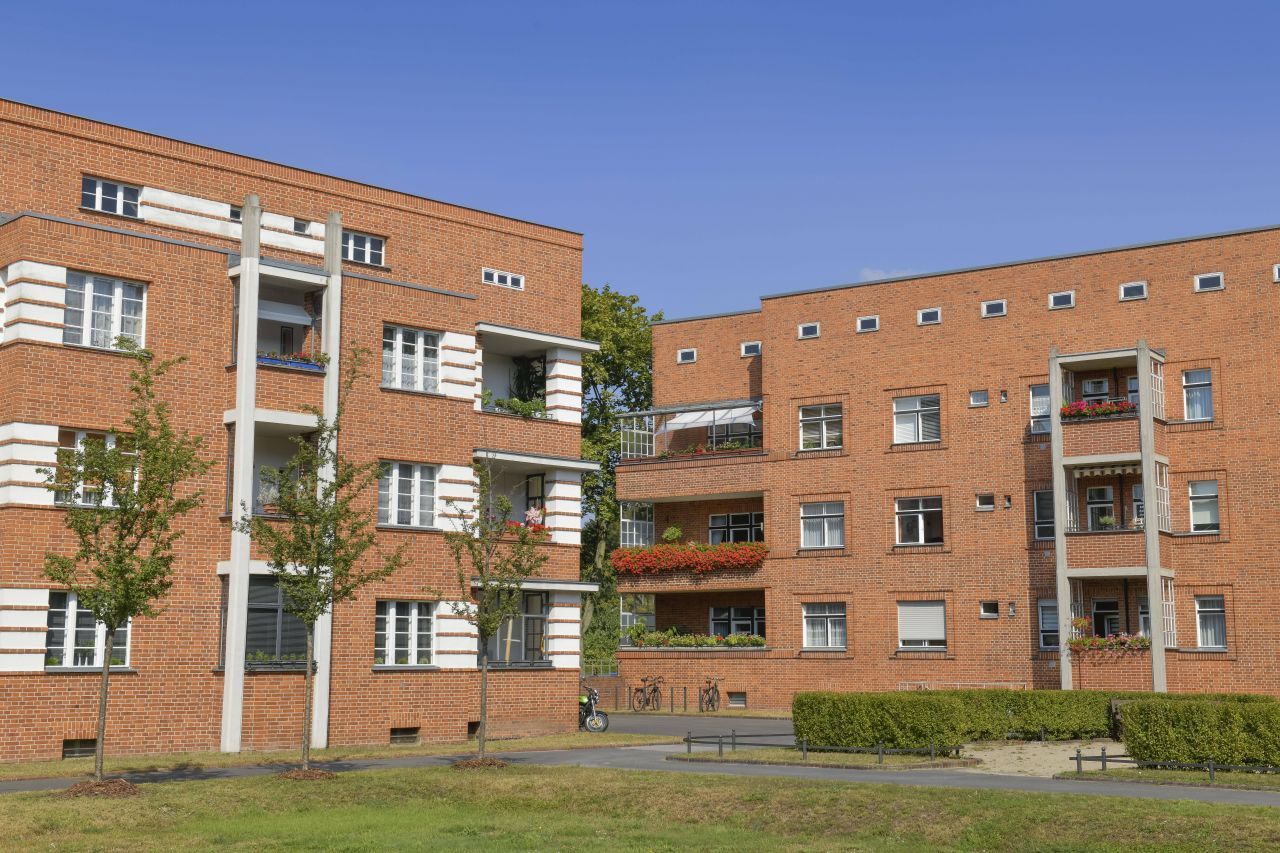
x,y
693,557
671,640
297,361
1081,410
1086,641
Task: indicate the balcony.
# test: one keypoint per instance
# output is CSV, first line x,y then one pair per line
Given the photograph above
x,y
694,452
1100,428
678,565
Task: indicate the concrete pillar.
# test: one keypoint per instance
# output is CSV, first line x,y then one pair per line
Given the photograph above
x,y
1060,521
242,475
1151,529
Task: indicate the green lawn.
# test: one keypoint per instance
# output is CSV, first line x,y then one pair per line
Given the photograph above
x,y
1252,781
524,808
76,767
819,759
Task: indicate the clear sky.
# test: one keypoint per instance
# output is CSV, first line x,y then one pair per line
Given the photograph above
x,y
716,151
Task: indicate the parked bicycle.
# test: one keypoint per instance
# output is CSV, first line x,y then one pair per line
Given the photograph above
x,y
709,696
649,696
590,717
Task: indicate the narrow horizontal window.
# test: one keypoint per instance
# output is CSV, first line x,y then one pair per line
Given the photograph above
x,y
928,316
985,503
1210,281
1062,299
989,609
750,348
978,399
502,279
995,308
109,197
869,324
808,330
362,248
686,356
1133,290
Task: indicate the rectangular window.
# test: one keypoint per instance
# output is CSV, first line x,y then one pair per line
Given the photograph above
x,y
869,324
1131,386
824,626
1062,299
1106,617
1204,505
502,279
1144,617
1133,290
410,359
407,495
917,419
1197,394
988,610
100,310
1095,390
978,399
522,639
985,503
1043,503
300,226
1211,622
995,308
1275,273
1209,281
362,248
273,635
109,197
734,435
1040,416
822,525
808,330
75,638
1048,609
821,427
71,441
236,214
928,316
919,520
686,356
1100,503
726,621
922,624
636,609
1139,504
736,527
750,348
636,524
402,633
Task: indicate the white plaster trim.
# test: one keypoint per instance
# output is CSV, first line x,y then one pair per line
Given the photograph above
x,y
525,335
37,271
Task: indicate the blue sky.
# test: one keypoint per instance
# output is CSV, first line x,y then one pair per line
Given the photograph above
x,y
710,151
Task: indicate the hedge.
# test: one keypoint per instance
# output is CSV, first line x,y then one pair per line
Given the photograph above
x,y
1199,731
906,720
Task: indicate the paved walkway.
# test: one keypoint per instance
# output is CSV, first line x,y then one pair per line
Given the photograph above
x,y
709,724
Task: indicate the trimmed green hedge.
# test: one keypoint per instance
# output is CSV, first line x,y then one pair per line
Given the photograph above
x,y
1225,732
908,720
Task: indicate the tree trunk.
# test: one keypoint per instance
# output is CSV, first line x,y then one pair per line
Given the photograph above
x,y
307,703
484,697
107,649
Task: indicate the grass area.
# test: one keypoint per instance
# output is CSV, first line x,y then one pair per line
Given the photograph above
x,y
820,759
524,808
1153,776
77,767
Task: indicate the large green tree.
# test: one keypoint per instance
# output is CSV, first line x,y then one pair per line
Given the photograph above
x,y
619,378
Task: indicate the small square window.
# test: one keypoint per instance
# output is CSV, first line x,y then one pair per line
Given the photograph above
x,y
1133,290
808,330
978,398
737,699
985,503
300,226
750,348
686,356
1210,281
995,308
989,609
1062,299
236,214
928,316
872,324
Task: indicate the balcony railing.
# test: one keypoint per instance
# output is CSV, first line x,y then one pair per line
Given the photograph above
x,y
695,430
1116,526
1088,410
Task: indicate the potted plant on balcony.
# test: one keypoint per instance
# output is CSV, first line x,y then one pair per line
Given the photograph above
x,y
1107,522
297,360
1082,409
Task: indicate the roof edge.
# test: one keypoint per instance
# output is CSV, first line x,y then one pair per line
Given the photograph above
x,y
705,317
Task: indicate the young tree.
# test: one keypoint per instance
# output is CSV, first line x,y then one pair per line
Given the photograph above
x,y
494,557
619,378
124,495
316,546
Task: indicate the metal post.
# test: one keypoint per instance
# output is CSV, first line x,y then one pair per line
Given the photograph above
x,y
1104,758
1042,734
688,743
880,753
804,749
733,740
932,751
1210,771
720,746
1079,763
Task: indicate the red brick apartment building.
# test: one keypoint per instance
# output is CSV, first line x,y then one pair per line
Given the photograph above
x,y
234,263
933,519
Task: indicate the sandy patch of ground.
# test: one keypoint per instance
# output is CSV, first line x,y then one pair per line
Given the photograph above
x,y
1033,758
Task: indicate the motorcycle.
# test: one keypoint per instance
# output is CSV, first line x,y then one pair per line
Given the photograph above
x,y
589,716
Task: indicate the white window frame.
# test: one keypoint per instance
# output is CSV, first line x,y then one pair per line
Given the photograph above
x,y
823,418
826,614
1221,285
922,643
1093,499
982,505
69,630
390,494
831,516
800,334
635,524
904,508
1101,390
912,412
426,367
385,637
522,623
235,213
921,321
109,440
979,399
1212,606
1144,616
1275,273
373,252
1001,306
502,278
742,349
89,286
1047,612
1071,300
301,226
1133,298
1044,420
1038,521
1196,386
1132,392
126,195
870,323
1139,505
988,609
1204,498
691,351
